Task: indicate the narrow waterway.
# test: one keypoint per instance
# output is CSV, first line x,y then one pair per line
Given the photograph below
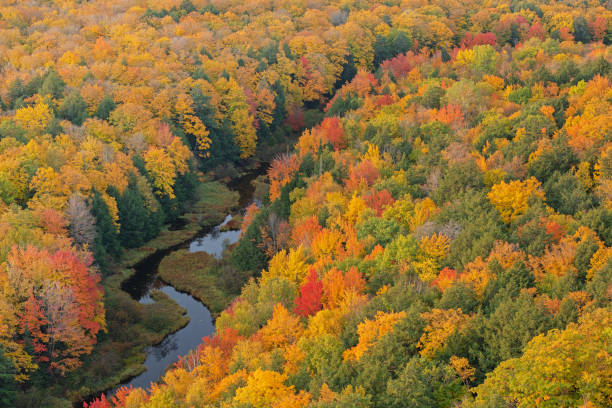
x,y
177,344
140,285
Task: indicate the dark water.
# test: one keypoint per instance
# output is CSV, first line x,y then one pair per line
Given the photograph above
x,y
161,356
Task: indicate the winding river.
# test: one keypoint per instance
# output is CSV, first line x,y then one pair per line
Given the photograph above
x,y
201,324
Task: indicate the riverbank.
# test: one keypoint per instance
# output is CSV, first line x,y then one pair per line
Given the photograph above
x,y
133,326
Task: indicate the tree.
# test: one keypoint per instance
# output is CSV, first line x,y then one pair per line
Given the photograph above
x,y
441,324
34,118
423,383
137,223
282,329
379,200
52,85
371,331
8,388
339,288
311,292
162,171
107,238
581,30
106,106
334,132
512,199
73,108
288,264
263,389
82,223
513,323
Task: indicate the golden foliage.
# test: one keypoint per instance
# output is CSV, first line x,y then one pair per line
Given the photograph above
x,y
370,331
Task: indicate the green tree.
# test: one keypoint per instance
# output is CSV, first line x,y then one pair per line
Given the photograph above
x,y
382,230
138,224
581,29
566,194
52,85
513,323
563,368
107,238
73,108
424,383
106,106
8,387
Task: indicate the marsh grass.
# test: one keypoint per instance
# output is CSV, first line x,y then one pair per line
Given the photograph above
x,y
200,275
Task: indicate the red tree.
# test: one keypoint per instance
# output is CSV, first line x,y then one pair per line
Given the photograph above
x,y
33,322
86,290
309,301
470,40
334,132
379,200
101,402
363,173
296,120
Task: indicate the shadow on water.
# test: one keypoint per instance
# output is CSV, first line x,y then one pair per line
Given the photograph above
x,y
142,281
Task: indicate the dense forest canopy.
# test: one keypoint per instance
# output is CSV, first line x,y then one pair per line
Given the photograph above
x,y
441,234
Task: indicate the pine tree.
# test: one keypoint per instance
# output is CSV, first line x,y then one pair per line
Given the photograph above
x,y
73,108
107,242
106,106
133,217
8,388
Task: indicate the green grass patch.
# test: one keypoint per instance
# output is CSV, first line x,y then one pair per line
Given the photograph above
x,y
209,280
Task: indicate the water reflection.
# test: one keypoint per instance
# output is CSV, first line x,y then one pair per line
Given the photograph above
x,y
161,356
215,241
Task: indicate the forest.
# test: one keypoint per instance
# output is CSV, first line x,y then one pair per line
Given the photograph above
x,y
434,227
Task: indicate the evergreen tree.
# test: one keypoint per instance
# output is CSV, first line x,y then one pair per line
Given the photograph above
x,y
107,239
16,92
247,256
8,388
138,223
73,108
52,85
581,29
133,217
222,149
106,106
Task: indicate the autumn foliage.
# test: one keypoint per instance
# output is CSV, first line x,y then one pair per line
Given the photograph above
x,y
309,301
438,236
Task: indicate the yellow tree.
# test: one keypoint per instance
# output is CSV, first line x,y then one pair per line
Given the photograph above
x,y
432,250
512,199
282,329
370,331
191,124
161,169
263,389
441,324
235,107
34,118
291,265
